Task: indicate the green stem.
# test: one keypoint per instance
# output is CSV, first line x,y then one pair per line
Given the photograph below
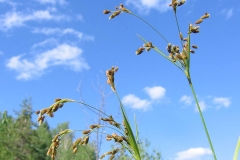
x,y
150,26
92,108
202,118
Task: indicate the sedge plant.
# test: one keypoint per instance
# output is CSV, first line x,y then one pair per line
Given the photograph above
x,y
178,55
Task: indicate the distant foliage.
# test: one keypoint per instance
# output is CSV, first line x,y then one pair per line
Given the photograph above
x,y
23,139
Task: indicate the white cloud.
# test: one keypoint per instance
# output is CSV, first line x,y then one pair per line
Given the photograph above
x,y
54,2
17,19
202,105
8,2
63,54
222,102
193,154
144,6
58,31
156,92
79,17
187,100
136,103
227,13
47,42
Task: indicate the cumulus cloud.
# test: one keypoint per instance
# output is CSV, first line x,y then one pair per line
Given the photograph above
x,y
187,100
64,54
136,103
144,6
193,154
54,2
156,92
16,19
58,31
222,102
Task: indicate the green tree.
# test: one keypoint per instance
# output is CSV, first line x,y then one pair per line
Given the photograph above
x,y
20,138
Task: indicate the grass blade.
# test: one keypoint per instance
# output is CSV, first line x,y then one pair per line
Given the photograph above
x,y
235,156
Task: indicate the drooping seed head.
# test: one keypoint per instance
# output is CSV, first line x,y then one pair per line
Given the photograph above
x,y
93,126
194,46
86,131
106,12
181,2
75,150
57,99
116,13
169,47
192,51
86,139
206,15
140,50
199,21
37,112
181,36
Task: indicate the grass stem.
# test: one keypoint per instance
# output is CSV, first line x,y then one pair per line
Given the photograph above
x,y
202,118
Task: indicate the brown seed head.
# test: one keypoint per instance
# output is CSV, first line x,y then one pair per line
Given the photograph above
x,y
57,99
174,5
192,51
195,46
94,126
75,150
199,21
140,50
86,131
37,112
181,2
111,157
86,139
106,12
102,156
116,13
206,15
169,47
181,36
149,44
184,55
55,138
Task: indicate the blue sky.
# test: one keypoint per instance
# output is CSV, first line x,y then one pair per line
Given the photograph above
x,y
62,48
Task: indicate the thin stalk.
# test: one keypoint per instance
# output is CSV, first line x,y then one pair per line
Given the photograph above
x,y
150,26
178,28
202,118
93,108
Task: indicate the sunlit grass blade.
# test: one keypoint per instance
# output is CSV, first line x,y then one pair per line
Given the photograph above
x,y
235,156
131,136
